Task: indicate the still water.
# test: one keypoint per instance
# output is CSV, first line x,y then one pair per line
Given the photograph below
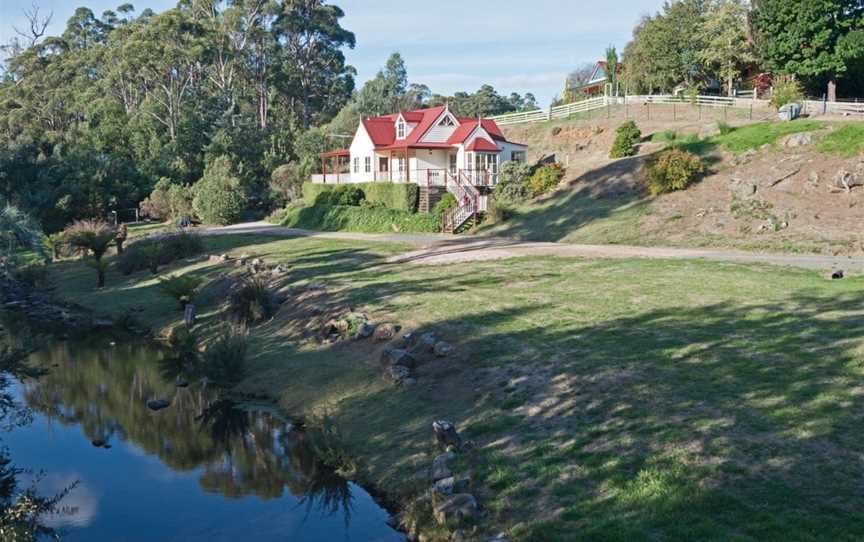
x,y
204,468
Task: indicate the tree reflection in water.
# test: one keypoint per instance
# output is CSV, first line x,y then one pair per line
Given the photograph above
x,y
239,451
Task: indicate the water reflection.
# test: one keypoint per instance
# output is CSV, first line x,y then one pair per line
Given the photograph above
x,y
230,450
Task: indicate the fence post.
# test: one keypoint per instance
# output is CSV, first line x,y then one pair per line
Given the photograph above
x,y
751,110
674,112
726,113
549,113
648,107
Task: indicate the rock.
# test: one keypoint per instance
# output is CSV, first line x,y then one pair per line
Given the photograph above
x,y
845,180
742,189
385,332
837,275
443,349
158,404
709,130
395,356
219,258
425,344
397,374
440,469
446,434
798,140
456,508
451,485
365,331
744,157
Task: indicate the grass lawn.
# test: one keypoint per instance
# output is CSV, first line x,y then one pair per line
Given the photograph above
x,y
610,400
846,140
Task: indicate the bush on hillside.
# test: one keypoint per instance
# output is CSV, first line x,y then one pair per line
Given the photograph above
x,y
673,169
786,90
218,196
181,288
253,302
168,201
499,211
225,357
626,137
396,196
447,202
545,178
512,182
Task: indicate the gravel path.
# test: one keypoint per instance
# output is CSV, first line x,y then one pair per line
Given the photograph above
x,y
442,249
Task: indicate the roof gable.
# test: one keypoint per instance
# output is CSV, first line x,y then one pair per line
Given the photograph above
x,y
381,130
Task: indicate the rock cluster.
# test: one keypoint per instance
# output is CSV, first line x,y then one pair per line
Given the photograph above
x,y
255,266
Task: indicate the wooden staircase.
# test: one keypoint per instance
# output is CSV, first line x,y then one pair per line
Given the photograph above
x,y
429,198
467,200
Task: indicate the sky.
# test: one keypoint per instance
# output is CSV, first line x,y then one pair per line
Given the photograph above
x,y
450,45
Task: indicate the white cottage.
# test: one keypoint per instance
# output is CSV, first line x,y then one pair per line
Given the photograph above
x,y
422,147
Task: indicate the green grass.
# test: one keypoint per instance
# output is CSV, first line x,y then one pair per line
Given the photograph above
x,y
754,136
847,140
359,219
655,400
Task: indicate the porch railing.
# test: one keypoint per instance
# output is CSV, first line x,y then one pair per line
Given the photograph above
x,y
423,177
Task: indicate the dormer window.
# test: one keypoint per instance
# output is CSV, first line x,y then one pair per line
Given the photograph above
x,y
446,121
400,129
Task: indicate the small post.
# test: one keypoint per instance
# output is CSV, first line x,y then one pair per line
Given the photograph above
x,y
648,107
725,113
674,112
751,110
189,315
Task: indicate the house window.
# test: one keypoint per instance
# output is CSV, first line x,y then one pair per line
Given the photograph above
x,y
383,164
453,163
446,121
368,164
518,156
400,164
356,165
400,129
486,161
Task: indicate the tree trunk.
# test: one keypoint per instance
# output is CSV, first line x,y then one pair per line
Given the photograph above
x,y
832,90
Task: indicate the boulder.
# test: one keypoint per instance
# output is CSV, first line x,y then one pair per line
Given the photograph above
x,y
742,189
446,434
443,349
425,344
455,509
385,332
365,330
440,467
450,485
837,275
397,374
158,404
395,356
744,157
846,180
798,140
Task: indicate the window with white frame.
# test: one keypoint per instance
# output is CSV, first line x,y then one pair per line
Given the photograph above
x,y
368,164
486,161
400,129
518,156
356,165
400,164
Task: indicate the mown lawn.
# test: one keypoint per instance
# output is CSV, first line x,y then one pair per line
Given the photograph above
x,y
610,400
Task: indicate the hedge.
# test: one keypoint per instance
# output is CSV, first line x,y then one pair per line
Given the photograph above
x,y
396,196
359,219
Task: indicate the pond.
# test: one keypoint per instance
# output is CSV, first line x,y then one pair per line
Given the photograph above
x,y
204,468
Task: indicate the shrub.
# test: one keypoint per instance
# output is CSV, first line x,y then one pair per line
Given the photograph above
x,y
447,202
357,219
286,183
157,205
397,196
253,302
673,169
161,250
545,178
181,287
627,136
180,199
225,358
786,90
512,182
218,196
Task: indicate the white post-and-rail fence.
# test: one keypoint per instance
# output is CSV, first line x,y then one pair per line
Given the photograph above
x,y
603,102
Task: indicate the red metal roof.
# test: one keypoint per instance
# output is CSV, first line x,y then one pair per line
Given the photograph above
x,y
382,130
482,145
